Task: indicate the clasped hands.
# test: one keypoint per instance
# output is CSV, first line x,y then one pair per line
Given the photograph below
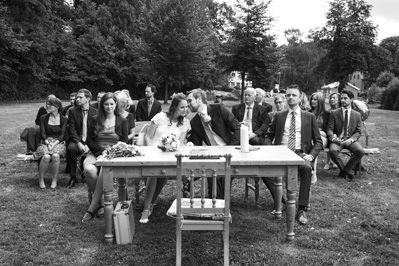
x,y
83,148
340,141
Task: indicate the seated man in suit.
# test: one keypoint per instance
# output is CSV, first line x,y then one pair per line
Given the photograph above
x,y
78,120
148,107
260,95
213,125
99,96
344,131
253,114
72,98
297,130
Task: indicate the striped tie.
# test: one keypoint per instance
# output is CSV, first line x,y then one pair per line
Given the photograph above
x,y
291,138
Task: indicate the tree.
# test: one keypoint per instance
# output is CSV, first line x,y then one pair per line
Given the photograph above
x,y
391,44
348,38
249,49
177,44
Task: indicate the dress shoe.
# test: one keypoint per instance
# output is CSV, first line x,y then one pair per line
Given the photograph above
x,y
349,177
342,174
301,217
72,182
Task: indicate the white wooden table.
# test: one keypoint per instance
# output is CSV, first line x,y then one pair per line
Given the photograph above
x,y
268,161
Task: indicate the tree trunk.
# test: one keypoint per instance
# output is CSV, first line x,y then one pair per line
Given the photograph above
x,y
242,85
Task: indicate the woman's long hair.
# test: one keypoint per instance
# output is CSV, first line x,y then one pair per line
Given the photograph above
x,y
321,107
178,97
101,115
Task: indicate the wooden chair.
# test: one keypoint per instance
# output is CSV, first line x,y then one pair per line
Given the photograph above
x,y
202,213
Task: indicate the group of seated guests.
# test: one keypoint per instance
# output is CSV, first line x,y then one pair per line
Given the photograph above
x,y
91,130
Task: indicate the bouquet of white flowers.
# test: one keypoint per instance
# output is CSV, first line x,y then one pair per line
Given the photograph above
x,y
121,149
169,142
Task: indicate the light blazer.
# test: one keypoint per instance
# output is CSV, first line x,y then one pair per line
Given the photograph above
x,y
311,142
260,119
223,123
142,110
75,122
337,120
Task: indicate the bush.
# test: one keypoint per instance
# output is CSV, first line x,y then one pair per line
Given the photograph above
x,y
384,79
389,99
374,94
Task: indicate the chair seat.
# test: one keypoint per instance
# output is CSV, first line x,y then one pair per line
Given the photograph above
x,y
196,212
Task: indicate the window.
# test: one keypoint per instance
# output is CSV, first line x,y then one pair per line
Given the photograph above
x,y
233,74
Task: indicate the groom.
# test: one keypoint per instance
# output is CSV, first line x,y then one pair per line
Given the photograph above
x,y
213,125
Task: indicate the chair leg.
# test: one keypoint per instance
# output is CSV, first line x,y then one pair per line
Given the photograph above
x,y
256,190
178,245
246,187
136,190
226,247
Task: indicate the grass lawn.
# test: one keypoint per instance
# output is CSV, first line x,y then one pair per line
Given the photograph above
x,y
351,223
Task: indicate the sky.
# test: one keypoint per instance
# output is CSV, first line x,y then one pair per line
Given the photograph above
x,y
308,14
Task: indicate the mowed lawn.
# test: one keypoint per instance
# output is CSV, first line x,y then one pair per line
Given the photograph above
x,y
351,223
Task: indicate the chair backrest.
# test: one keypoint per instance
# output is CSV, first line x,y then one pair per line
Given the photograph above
x,y
203,167
141,136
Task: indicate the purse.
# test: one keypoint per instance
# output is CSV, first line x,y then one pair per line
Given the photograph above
x,y
141,136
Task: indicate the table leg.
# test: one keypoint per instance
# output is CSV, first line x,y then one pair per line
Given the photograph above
x,y
291,184
278,184
108,206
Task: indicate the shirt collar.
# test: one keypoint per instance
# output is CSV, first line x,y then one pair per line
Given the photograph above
x,y
252,106
297,111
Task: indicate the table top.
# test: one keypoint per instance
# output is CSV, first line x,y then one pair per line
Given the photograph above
x,y
265,155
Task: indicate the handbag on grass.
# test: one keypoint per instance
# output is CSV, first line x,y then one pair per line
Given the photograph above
x,y
141,136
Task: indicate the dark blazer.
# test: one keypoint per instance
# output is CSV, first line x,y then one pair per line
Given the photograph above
x,y
336,122
42,111
260,119
311,142
94,105
44,129
75,122
142,110
132,110
223,123
121,129
269,107
65,109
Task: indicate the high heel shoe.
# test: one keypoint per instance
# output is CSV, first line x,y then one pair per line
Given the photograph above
x,y
100,211
144,216
53,184
88,216
42,185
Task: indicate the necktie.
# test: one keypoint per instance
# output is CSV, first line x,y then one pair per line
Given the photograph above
x,y
346,125
248,119
149,107
84,129
208,131
291,138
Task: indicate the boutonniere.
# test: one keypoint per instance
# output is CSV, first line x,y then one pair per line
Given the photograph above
x,y
207,118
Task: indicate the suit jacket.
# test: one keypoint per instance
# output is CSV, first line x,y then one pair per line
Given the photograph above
x,y
311,142
336,123
65,109
75,122
223,123
269,107
42,111
260,119
132,110
44,127
142,110
94,105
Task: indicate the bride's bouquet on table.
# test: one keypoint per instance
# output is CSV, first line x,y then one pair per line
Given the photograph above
x,y
169,142
121,149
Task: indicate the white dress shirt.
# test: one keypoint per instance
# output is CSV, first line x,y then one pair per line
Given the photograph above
x,y
286,133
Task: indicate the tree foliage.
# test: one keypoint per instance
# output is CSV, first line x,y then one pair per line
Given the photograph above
x,y
249,48
348,38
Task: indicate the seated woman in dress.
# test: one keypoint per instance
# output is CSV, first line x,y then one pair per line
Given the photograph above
x,y
43,110
279,102
123,104
107,128
335,103
173,121
52,132
318,108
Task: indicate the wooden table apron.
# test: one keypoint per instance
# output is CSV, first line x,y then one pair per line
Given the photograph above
x,y
269,161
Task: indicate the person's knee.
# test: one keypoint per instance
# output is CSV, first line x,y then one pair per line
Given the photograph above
x,y
46,158
90,171
55,157
255,141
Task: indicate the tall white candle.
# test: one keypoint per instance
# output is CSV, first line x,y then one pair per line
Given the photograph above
x,y
244,138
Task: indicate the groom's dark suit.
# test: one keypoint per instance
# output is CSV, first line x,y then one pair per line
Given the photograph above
x,y
75,129
260,121
225,125
311,143
335,127
142,110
